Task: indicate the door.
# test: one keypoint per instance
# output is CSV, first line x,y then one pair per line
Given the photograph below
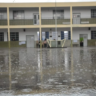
x,y
76,18
30,41
36,19
85,37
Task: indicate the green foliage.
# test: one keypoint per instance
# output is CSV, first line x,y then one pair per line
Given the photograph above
x,y
81,39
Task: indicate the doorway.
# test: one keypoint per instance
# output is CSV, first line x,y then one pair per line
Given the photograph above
x,y
85,37
76,18
36,19
30,41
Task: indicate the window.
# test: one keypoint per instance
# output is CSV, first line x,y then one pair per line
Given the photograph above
x,y
43,36
93,13
59,14
38,36
66,34
47,35
2,14
1,36
18,14
93,35
14,36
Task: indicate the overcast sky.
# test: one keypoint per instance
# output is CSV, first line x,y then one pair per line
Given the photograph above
x,y
46,1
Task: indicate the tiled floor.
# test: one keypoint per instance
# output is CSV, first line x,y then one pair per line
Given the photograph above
x,y
33,70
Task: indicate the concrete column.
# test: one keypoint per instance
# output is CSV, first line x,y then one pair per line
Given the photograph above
x,y
8,16
71,24
40,16
40,37
40,27
8,34
8,22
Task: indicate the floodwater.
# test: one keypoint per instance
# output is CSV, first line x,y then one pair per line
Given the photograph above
x,y
48,71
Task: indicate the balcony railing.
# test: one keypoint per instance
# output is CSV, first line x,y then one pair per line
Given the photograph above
x,y
88,21
21,22
3,22
53,21
85,21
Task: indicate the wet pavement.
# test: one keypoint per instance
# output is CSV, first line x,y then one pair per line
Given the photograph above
x,y
55,71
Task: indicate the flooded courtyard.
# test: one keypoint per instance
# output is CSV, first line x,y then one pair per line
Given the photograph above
x,y
48,71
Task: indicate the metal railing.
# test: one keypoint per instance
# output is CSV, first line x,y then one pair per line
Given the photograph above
x,y
23,22
3,21
85,21
51,21
88,20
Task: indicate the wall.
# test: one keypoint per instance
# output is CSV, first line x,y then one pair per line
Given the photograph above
x,y
84,11
28,12
53,30
78,31
22,34
47,13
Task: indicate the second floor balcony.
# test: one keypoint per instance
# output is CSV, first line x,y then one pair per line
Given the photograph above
x,y
53,21
24,16
84,15
84,21
22,22
88,20
3,22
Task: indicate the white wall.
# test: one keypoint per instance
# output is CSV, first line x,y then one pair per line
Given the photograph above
x,y
22,34
84,11
48,13
78,31
53,30
28,12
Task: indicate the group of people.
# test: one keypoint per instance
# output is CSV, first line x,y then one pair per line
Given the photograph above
x,y
44,44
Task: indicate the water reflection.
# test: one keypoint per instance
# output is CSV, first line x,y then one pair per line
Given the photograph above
x,y
38,69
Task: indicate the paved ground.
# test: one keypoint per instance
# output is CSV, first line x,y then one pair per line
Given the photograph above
x,y
55,71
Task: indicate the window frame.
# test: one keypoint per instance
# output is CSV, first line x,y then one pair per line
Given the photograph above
x,y
61,11
19,11
92,13
92,34
13,35
2,36
4,13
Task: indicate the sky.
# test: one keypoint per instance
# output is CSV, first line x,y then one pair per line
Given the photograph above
x,y
15,1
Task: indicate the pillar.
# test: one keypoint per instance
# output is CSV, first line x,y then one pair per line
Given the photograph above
x,y
40,27
71,24
8,22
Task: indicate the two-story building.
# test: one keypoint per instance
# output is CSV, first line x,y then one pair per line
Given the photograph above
x,y
23,24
